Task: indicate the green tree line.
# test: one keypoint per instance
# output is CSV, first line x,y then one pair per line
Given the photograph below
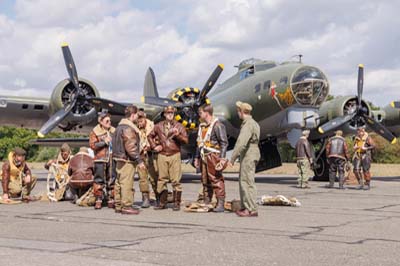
x,y
20,137
11,137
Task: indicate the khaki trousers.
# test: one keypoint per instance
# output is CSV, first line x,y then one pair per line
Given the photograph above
x,y
124,191
169,170
17,188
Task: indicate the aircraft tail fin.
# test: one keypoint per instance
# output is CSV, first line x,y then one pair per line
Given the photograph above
x,y
150,85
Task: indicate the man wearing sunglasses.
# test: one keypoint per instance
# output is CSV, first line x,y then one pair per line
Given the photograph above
x,y
100,142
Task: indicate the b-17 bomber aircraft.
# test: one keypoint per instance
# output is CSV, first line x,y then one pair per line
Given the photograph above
x,y
286,98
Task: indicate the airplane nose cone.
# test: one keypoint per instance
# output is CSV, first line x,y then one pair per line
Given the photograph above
x,y
309,86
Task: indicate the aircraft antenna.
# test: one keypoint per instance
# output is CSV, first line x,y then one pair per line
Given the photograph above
x,y
299,56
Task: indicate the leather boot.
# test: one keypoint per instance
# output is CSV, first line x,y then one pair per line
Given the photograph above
x,y
163,200
177,200
157,202
129,210
111,204
367,178
220,205
98,204
98,193
145,200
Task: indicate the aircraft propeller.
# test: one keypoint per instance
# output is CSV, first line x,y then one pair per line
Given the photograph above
x,y
359,116
60,115
201,97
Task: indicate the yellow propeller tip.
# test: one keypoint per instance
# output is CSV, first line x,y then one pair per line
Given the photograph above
x,y
64,44
221,66
361,65
142,99
392,104
40,135
394,141
320,130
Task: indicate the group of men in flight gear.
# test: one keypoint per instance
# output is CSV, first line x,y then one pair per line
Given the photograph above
x,y
154,151
338,158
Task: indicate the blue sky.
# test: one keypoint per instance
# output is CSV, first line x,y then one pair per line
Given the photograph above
x,y
114,41
7,8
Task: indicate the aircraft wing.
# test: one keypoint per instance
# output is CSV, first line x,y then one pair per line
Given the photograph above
x,y
57,142
23,111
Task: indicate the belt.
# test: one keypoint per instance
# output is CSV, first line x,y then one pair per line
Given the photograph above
x,y
301,158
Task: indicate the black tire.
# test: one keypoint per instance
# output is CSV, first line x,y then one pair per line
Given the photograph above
x,y
321,171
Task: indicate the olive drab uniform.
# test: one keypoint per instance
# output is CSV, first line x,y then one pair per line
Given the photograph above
x,y
104,176
247,148
212,143
337,154
13,178
304,160
362,159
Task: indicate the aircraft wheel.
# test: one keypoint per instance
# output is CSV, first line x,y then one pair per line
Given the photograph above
x,y
321,170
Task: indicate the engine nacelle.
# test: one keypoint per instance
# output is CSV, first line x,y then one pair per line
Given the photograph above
x,y
340,106
83,112
187,115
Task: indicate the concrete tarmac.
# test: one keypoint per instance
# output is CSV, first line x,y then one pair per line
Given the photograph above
x,y
332,227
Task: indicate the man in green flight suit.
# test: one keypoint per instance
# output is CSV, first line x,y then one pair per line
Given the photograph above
x,y
247,148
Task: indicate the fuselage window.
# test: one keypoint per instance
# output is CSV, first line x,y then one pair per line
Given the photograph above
x,y
267,85
257,88
283,80
25,106
38,107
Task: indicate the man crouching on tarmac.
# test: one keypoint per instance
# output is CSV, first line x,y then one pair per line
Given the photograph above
x,y
126,153
212,143
17,179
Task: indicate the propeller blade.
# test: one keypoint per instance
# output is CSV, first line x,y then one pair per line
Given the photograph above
x,y
360,83
114,108
211,81
163,102
395,104
55,120
335,123
69,63
380,129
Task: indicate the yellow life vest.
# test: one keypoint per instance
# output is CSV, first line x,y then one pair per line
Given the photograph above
x,y
15,172
62,169
361,142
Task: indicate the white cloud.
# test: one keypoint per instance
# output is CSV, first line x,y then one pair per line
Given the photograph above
x,y
114,42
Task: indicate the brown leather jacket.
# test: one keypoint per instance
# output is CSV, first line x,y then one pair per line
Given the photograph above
x,y
170,144
303,149
218,140
126,142
98,145
81,168
6,174
337,147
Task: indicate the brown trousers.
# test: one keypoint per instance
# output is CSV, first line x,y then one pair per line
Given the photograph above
x,y
212,180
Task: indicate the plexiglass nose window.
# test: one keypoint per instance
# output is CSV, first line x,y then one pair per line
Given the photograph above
x,y
309,86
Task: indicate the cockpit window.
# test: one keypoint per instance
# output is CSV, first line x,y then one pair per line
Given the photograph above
x,y
310,86
247,72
